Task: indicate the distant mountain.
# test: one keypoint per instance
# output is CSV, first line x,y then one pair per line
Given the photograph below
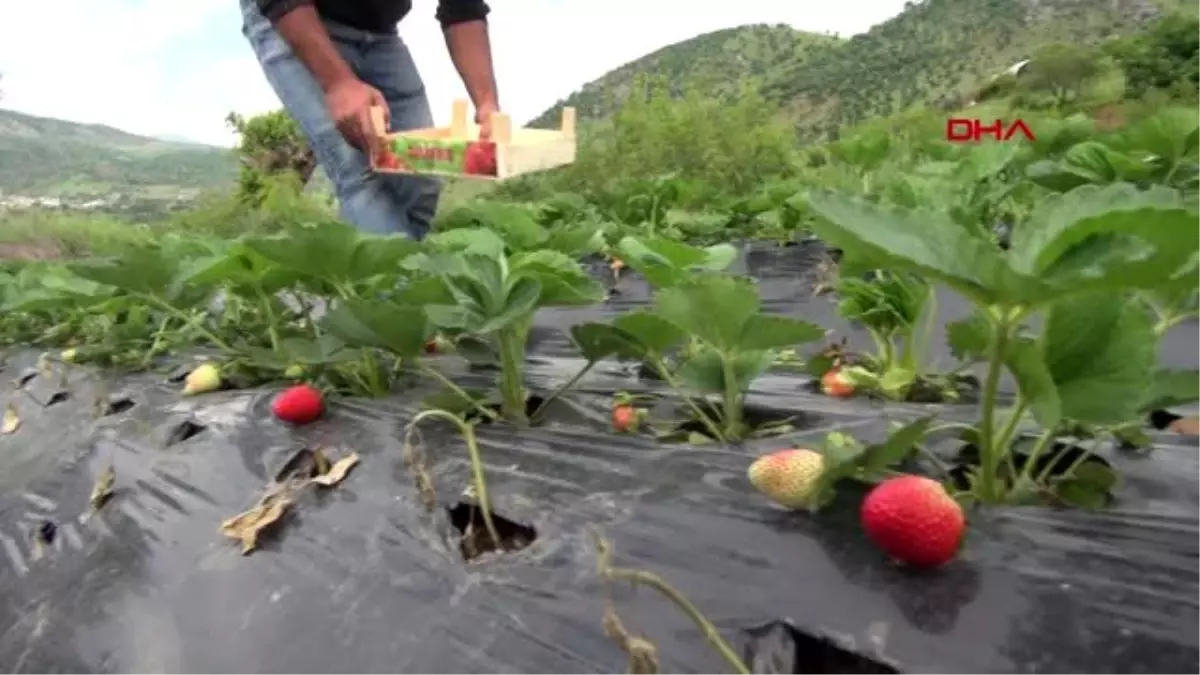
x,y
934,52
41,156
181,139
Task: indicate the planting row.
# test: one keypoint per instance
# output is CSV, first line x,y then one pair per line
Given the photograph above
x,y
1070,303
1070,300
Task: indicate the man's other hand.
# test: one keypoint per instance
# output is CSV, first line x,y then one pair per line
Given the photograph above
x,y
483,117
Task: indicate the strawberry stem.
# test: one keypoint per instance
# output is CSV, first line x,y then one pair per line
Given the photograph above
x,y
641,577
468,434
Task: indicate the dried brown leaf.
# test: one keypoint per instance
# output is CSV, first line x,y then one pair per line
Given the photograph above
x,y
103,487
11,419
337,472
39,550
247,526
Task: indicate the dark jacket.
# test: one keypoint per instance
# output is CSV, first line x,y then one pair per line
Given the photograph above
x,y
376,16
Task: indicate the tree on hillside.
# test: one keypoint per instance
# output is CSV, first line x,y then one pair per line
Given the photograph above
x,y
1166,55
1060,70
270,145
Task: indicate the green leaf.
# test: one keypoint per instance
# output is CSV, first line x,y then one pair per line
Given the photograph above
x,y
1169,135
1100,352
478,240
1028,367
818,364
598,341
521,301
564,283
969,338
1090,162
704,369
664,262
333,252
898,446
242,270
716,310
1170,388
453,402
887,302
896,381
327,349
1114,236
654,334
842,454
770,331
141,270
926,242
396,328
425,291
575,241
1090,486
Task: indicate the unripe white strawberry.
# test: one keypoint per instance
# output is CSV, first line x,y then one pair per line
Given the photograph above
x,y
788,477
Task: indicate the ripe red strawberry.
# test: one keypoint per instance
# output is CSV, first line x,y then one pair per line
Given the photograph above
x,y
298,405
624,418
388,160
835,383
480,159
788,477
914,520
431,346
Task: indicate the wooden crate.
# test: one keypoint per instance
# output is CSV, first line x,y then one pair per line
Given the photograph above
x,y
455,150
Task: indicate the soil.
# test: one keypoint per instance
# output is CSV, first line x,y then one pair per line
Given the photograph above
x,y
476,541
44,250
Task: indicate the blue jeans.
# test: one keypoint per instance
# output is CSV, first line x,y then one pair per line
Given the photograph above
x,y
375,203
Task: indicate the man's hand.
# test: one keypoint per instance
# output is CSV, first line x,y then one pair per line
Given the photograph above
x,y
347,98
483,117
471,50
349,102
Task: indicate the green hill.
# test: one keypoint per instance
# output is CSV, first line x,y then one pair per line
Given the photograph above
x,y
718,62
40,156
935,52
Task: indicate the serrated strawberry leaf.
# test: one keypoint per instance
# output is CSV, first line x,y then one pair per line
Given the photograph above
x,y
928,243
900,445
1102,374
1170,388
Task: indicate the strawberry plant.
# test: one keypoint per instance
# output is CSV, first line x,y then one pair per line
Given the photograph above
x,y
474,291
1074,262
251,301
663,262
1160,150
735,342
898,312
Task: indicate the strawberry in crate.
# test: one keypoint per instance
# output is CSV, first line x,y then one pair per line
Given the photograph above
x,y
387,159
480,159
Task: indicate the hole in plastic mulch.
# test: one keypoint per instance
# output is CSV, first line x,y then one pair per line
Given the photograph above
x,y
780,647
468,520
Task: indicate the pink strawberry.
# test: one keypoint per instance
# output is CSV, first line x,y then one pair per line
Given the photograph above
x,y
788,477
836,385
914,520
298,405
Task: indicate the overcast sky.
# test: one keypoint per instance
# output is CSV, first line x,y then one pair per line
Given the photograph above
x,y
176,67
